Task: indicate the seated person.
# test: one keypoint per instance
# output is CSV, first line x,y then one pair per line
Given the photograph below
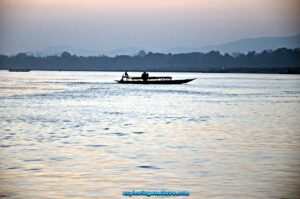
x,y
145,76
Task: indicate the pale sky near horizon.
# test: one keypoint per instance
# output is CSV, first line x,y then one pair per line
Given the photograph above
x,y
103,25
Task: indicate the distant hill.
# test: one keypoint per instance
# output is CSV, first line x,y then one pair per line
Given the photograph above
x,y
246,45
243,46
124,51
57,50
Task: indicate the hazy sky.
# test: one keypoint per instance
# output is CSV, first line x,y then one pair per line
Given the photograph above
x,y
103,25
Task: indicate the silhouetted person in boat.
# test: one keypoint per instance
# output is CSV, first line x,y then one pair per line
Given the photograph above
x,y
145,76
125,75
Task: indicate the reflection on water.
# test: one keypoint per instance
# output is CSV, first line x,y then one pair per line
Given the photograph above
x,y
79,134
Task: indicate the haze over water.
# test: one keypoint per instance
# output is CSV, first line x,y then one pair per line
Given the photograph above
x,y
102,26
81,135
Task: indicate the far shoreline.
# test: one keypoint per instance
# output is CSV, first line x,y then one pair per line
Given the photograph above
x,y
156,71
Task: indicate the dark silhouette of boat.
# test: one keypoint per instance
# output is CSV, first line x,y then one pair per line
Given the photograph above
x,y
19,70
152,80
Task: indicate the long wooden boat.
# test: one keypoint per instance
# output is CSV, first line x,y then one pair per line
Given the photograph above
x,y
152,80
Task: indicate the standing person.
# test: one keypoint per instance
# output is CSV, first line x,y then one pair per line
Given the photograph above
x,y
126,74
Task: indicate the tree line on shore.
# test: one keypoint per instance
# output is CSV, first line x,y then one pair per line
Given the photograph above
x,y
282,60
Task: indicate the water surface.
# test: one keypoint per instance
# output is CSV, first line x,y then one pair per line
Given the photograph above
x,y
81,135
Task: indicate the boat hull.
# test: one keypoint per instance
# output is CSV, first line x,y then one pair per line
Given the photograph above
x,y
179,81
